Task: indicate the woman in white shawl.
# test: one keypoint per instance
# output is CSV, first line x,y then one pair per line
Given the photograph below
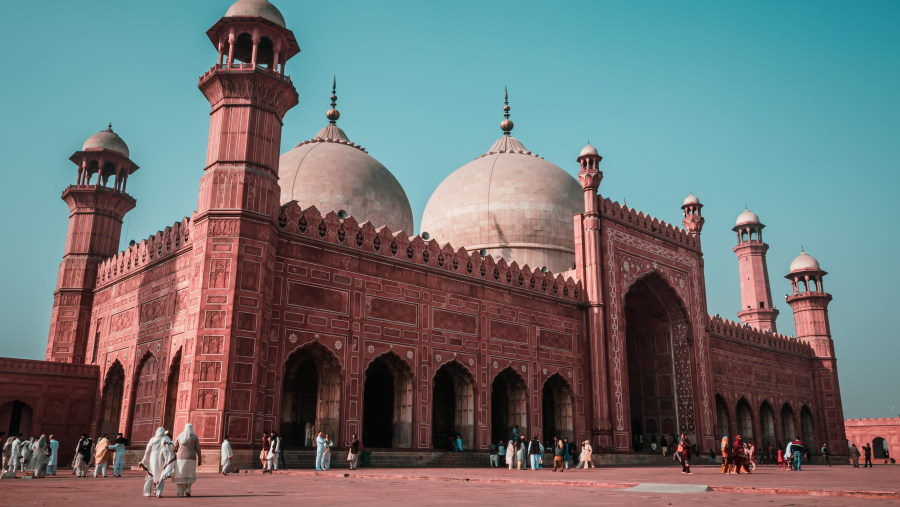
x,y
510,455
187,459
156,458
39,456
586,459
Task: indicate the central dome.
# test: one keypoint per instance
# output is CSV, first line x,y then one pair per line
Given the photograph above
x,y
511,203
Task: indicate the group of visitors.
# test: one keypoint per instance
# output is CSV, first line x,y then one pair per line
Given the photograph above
x,y
522,454
37,457
178,459
740,456
270,456
99,456
854,455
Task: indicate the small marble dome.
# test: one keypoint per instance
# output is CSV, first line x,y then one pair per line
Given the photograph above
x,y
333,174
106,139
692,199
588,150
804,262
747,217
511,203
261,8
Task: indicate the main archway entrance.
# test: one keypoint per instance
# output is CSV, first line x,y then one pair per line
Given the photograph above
x,y
387,403
557,417
659,359
508,405
453,406
16,417
111,411
310,395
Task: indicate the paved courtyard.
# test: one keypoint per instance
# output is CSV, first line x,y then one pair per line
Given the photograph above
x,y
816,485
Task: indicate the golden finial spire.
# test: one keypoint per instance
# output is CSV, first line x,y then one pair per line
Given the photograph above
x,y
506,124
333,113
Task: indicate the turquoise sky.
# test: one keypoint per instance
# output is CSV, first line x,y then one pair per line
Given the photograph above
x,y
789,107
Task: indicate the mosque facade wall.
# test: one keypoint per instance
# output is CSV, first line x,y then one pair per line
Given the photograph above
x,y
875,431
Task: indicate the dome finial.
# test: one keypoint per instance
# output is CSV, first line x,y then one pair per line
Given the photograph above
x,y
333,114
109,128
506,124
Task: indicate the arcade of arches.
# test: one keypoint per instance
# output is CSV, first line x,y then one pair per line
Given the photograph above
x,y
765,429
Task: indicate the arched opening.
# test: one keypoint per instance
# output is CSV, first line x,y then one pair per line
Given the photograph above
x,y
16,417
113,389
752,234
767,424
744,236
387,403
265,54
787,424
557,416
310,394
806,428
508,405
145,401
744,420
172,393
659,358
243,48
453,406
880,448
722,417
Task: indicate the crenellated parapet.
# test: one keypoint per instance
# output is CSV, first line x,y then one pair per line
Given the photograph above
x,y
310,223
161,245
733,330
874,421
636,219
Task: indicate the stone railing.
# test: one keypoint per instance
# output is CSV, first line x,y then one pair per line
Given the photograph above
x,y
161,245
775,341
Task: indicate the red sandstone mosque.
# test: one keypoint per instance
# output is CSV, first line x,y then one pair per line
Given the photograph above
x,y
296,292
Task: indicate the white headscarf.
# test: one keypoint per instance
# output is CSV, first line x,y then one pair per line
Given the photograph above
x,y
185,435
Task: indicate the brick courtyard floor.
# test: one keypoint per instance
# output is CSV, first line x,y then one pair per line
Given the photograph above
x,y
815,485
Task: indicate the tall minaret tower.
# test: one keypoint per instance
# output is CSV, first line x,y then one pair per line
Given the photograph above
x,y
756,297
589,263
235,226
809,301
97,203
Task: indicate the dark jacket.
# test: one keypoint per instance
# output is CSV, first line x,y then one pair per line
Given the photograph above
x,y
354,446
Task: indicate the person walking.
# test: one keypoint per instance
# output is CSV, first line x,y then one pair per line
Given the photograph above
x,y
227,454
320,450
119,447
522,456
534,451
101,455
187,459
684,452
567,456
586,458
501,453
826,453
4,456
353,455
83,455
726,456
559,453
326,454
14,449
54,455
868,450
738,458
157,457
264,454
854,456
493,455
664,444
272,455
40,455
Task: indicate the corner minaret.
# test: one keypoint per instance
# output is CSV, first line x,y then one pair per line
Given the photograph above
x,y
588,263
693,220
809,301
97,204
756,296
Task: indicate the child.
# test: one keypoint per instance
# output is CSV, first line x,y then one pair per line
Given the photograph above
x,y
781,462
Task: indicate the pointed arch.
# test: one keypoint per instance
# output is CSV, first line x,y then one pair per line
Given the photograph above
x,y
744,420
557,414
453,405
145,399
509,402
767,424
722,420
807,428
387,402
173,380
311,391
111,399
788,430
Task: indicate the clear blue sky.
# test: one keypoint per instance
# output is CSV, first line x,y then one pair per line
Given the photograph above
x,y
790,107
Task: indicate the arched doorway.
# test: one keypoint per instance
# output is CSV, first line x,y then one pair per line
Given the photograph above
x,y
387,403
880,448
744,420
310,394
807,428
722,421
16,417
453,406
508,405
659,358
787,424
145,401
172,393
767,424
113,389
557,416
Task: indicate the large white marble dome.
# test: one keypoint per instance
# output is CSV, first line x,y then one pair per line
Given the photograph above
x,y
511,203
333,174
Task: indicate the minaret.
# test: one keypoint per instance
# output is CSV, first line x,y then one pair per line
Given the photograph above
x,y
693,220
809,301
235,226
588,262
97,204
756,297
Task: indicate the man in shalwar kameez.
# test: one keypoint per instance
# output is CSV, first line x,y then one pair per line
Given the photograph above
x,y
227,454
101,456
156,459
14,449
187,459
83,455
320,450
54,455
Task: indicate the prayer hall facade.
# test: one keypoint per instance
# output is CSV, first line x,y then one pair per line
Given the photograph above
x,y
294,294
